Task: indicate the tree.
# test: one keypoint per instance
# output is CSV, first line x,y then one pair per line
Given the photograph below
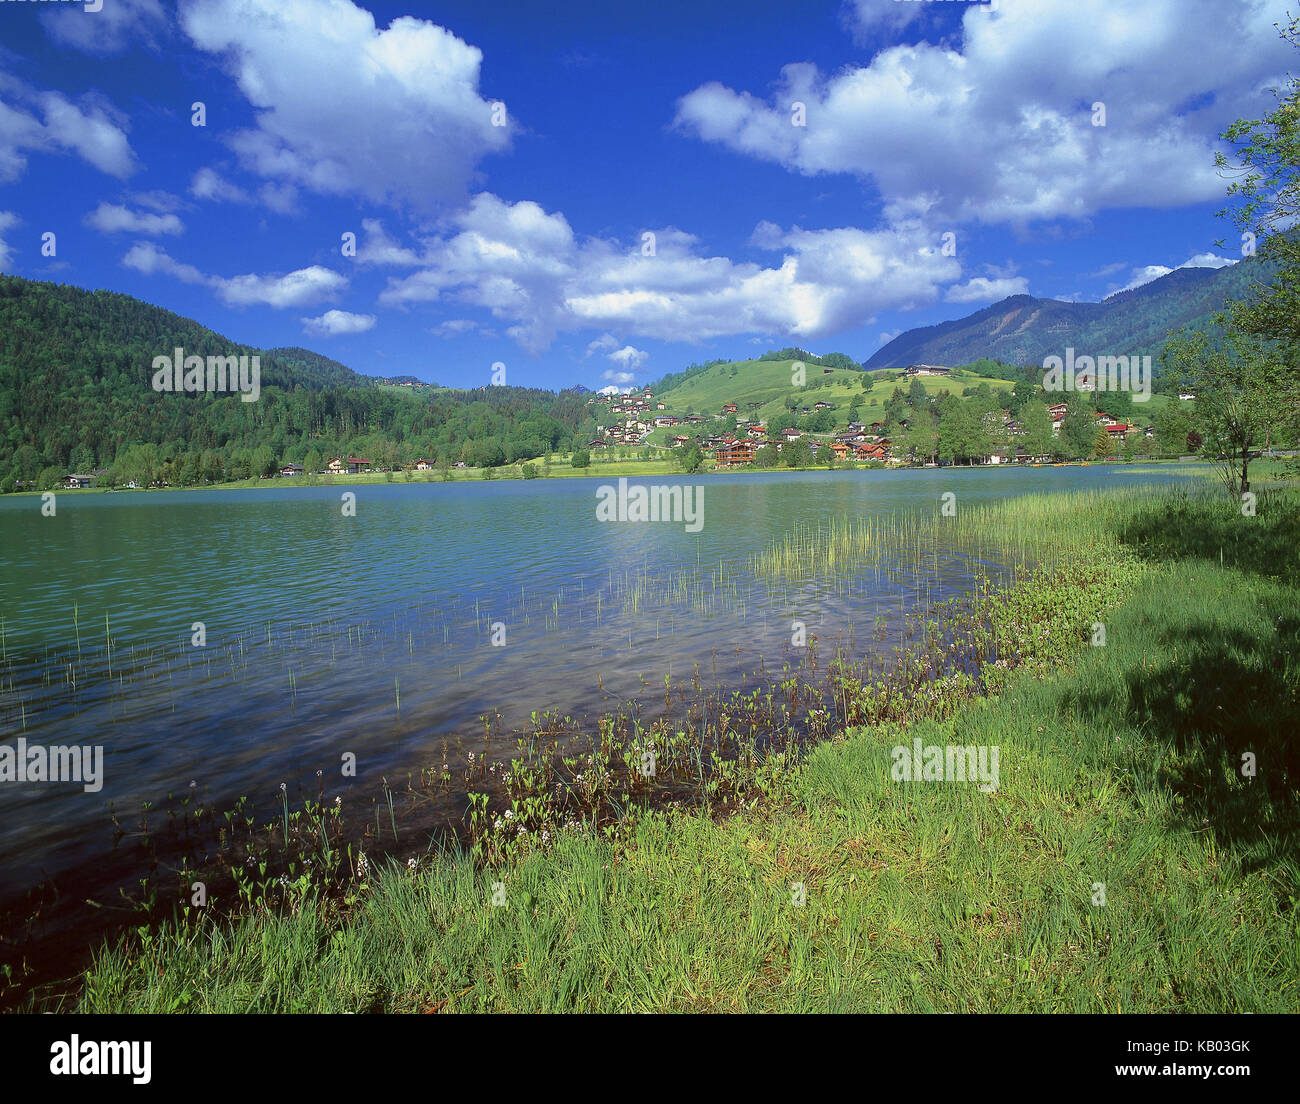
x,y
692,458
1078,431
1268,168
779,422
1118,404
960,434
581,460
984,400
798,454
214,468
1244,388
1102,445
922,437
1036,428
263,461
82,459
1173,426
26,462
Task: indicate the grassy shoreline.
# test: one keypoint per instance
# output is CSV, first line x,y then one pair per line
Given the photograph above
x,y
1119,768
608,469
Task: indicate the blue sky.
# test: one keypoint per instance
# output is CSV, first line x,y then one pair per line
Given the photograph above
x,y
525,243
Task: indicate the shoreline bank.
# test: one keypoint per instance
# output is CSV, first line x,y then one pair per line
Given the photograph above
x,y
603,469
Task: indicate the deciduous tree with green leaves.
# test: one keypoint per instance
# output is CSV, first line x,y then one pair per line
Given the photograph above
x,y
1244,389
1036,428
1266,166
1078,431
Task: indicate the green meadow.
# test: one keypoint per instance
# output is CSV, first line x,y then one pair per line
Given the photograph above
x,y
1139,853
768,382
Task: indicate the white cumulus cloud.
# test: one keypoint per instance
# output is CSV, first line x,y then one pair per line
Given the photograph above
x,y
335,322
531,271
294,289
115,218
147,258
982,289
998,126
115,26
8,220
49,122
299,288
345,108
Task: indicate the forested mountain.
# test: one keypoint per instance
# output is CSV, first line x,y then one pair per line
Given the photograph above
x,y
1024,330
76,394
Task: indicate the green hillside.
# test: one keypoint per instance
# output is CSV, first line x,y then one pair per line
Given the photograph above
x,y
769,383
76,395
762,381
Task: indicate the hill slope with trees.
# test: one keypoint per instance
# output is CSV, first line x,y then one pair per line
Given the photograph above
x,y
76,394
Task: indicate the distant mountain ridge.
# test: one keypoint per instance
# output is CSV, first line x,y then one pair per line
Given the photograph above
x,y
1024,329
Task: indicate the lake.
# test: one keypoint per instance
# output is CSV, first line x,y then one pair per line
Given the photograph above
x,y
388,634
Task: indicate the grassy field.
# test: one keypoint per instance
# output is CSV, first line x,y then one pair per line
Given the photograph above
x,y
1123,864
